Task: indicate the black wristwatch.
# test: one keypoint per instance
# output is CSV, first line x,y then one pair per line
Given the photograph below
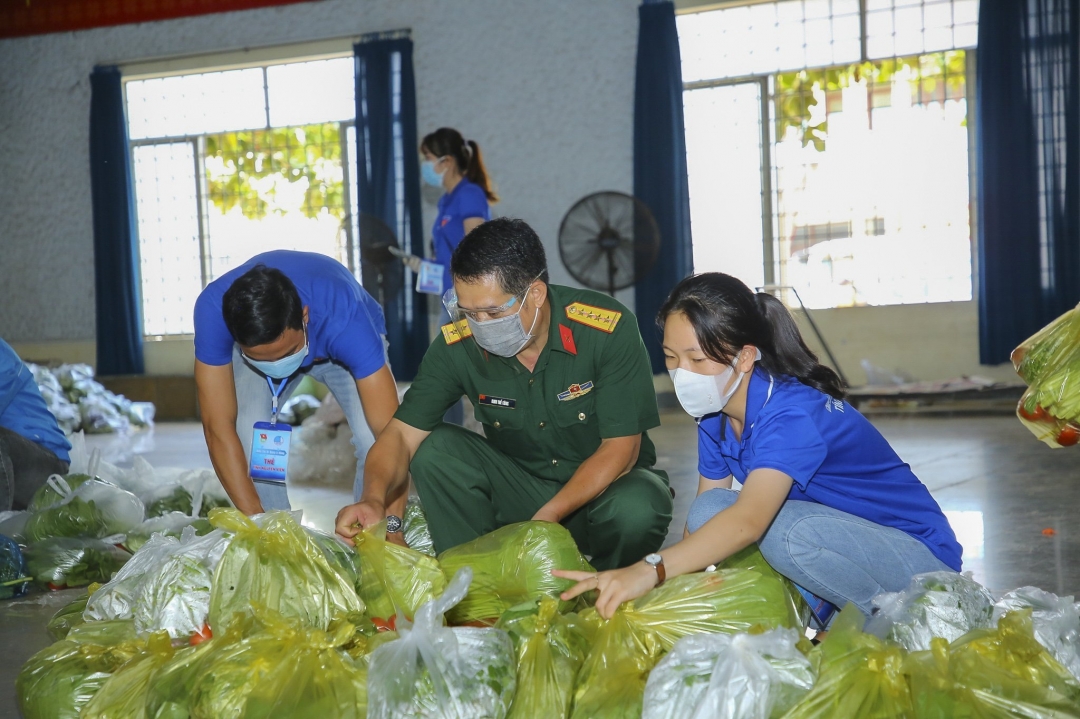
x,y
393,524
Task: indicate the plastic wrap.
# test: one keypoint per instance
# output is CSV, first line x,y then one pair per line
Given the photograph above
x,y
269,667
322,453
1055,621
752,558
62,562
171,524
720,676
436,671
551,648
13,524
278,566
68,616
395,579
123,694
935,604
165,586
14,574
95,509
626,647
298,408
56,489
1049,362
512,565
60,680
858,675
417,534
195,493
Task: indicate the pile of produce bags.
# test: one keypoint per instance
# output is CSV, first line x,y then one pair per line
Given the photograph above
x,y
80,403
1049,363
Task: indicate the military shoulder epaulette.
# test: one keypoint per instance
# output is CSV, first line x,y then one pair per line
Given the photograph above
x,y
451,335
596,317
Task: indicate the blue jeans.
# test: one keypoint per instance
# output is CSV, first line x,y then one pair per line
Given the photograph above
x,y
254,402
837,556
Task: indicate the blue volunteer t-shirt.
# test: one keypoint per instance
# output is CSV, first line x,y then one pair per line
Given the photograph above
x,y
345,323
466,200
833,454
22,408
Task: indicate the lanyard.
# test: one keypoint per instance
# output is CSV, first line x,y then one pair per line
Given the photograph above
x,y
276,391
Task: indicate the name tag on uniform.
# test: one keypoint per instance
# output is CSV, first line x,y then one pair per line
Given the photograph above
x,y
487,399
270,451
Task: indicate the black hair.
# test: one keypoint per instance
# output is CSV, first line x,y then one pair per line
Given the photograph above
x,y
260,305
727,316
506,249
448,142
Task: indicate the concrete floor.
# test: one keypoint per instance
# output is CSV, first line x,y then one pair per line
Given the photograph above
x,y
1001,489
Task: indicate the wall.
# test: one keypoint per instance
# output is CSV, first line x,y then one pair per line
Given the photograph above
x,y
546,88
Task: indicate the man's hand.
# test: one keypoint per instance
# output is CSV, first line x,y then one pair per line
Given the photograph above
x,y
354,518
546,515
397,538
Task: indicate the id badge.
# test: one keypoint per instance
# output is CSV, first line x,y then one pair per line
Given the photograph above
x,y
270,451
429,279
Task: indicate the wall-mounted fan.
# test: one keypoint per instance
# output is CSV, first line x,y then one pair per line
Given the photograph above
x,y
608,241
381,272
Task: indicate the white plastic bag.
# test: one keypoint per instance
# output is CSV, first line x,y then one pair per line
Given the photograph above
x,y
935,604
436,671
12,524
722,676
94,509
165,586
1056,621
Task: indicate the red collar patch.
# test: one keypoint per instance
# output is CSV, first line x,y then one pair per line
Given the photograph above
x,y
567,339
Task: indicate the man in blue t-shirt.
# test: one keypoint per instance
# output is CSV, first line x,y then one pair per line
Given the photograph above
x,y
259,329
32,446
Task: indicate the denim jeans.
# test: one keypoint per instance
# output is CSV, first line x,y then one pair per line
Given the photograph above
x,y
254,402
24,467
837,556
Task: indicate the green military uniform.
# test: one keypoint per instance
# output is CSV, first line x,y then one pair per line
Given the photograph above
x,y
592,381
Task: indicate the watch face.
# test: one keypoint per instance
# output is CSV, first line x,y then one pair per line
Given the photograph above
x,y
393,524
653,559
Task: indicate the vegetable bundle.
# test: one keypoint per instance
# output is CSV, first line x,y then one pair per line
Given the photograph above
x,y
1049,362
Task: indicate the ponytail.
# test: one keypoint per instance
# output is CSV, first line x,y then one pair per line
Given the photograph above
x,y
448,142
727,316
789,354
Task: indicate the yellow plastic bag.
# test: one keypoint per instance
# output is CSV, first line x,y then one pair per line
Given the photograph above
x,y
278,566
264,667
1049,362
124,693
858,676
60,680
394,578
551,648
626,648
751,558
510,566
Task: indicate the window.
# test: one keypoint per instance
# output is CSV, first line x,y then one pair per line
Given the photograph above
x,y
827,158
233,163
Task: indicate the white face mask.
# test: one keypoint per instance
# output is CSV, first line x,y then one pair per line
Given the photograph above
x,y
702,394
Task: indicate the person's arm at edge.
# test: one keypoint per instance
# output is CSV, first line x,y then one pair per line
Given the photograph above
x,y
379,398
386,474
730,531
217,408
612,459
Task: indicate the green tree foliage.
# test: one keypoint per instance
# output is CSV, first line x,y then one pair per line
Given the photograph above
x,y
263,171
931,76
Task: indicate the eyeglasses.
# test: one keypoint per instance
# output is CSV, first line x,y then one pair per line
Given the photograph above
x,y
482,314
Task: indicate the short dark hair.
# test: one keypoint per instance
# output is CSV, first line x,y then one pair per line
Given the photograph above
x,y
260,305
506,249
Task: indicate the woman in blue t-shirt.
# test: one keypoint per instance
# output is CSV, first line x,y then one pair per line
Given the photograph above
x,y
828,501
454,164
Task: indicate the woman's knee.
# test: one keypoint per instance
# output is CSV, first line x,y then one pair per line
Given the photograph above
x,y
708,505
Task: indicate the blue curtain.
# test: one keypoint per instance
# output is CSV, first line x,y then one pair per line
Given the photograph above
x,y
1028,160
388,184
660,179
116,243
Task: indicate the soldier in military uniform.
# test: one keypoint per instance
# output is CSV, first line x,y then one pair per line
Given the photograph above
x,y
560,379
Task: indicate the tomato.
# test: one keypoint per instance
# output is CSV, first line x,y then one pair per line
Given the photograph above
x,y
202,635
56,587
1034,415
1069,435
385,625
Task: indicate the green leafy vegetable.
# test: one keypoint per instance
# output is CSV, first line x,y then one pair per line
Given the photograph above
x,y
69,562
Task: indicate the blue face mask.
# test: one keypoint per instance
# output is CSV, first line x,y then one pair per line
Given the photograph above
x,y
428,173
284,367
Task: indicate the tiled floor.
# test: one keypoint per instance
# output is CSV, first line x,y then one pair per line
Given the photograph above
x,y
1012,502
